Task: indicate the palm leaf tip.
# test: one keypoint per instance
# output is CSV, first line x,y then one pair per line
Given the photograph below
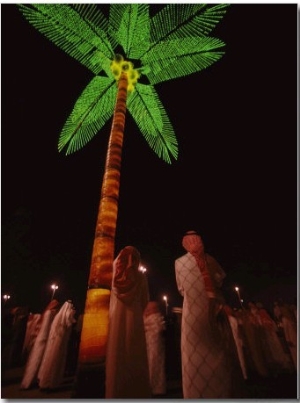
x,y
152,120
181,57
91,111
81,36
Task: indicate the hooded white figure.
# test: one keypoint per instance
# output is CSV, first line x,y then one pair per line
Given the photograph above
x,y
52,368
127,374
38,349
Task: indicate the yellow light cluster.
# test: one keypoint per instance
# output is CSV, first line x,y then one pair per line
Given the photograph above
x,y
119,65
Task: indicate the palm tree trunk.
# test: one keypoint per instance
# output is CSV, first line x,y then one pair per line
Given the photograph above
x,y
90,377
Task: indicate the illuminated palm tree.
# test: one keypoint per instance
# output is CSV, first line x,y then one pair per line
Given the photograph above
x,y
128,52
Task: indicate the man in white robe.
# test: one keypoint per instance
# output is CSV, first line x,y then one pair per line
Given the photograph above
x,y
154,328
52,368
210,366
32,328
37,352
127,373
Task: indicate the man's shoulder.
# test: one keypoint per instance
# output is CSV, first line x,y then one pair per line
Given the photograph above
x,y
183,257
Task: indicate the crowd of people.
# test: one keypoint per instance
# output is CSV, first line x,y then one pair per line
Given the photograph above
x,y
220,347
40,343
264,347
47,343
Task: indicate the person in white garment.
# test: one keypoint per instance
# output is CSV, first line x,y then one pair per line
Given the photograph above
x,y
127,373
289,325
53,364
32,328
154,328
277,360
210,365
237,338
37,352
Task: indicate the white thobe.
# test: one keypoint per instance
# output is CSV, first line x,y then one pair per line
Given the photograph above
x,y
53,364
154,328
207,368
37,351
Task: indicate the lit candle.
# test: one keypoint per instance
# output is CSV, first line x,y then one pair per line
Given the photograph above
x,y
54,288
165,298
142,269
6,297
239,296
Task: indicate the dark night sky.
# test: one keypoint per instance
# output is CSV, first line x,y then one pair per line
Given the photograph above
x,y
235,179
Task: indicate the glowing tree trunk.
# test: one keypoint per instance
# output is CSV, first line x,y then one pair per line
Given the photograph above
x,y
90,377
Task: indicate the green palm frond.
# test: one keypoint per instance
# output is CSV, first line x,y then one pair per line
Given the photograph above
x,y
172,44
131,28
64,26
116,12
153,122
91,111
181,57
185,20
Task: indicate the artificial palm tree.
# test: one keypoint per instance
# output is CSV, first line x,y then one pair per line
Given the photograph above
x,y
128,53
